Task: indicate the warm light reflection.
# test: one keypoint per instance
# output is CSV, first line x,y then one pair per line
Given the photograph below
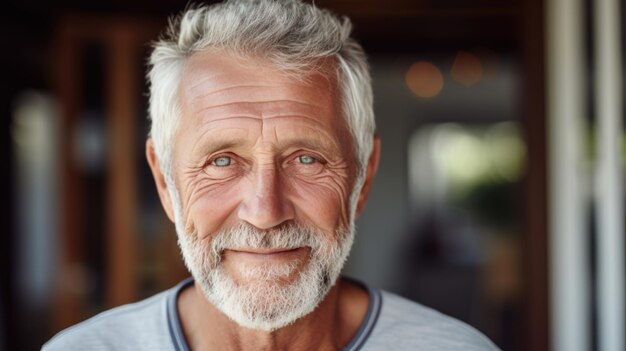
x,y
507,150
424,79
467,68
460,154
466,156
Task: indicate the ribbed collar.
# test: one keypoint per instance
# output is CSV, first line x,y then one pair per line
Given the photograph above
x,y
361,336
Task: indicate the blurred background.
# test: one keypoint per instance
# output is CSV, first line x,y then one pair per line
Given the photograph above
x,y
499,197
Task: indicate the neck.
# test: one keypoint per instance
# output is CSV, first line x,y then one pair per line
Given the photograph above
x,y
329,327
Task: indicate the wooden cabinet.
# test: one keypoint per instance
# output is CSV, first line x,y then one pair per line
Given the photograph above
x,y
117,245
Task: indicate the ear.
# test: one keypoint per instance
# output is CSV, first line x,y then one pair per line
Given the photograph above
x,y
372,167
159,179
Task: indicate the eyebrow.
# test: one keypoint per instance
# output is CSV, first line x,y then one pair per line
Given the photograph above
x,y
211,146
323,146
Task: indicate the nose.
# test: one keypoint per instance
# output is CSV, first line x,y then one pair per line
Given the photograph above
x,y
265,204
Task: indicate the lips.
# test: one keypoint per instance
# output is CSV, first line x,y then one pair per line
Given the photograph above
x,y
267,254
266,251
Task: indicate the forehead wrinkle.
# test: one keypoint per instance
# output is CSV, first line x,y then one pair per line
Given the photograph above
x,y
253,89
263,110
262,103
204,95
199,83
195,82
208,121
213,138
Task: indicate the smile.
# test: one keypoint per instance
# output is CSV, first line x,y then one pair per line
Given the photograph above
x,y
266,254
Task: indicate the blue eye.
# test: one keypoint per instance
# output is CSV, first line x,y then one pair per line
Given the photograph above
x,y
306,159
222,161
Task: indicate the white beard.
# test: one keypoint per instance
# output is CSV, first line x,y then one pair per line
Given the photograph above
x,y
267,301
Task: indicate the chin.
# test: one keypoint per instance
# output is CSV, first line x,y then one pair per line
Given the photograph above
x,y
268,295
270,302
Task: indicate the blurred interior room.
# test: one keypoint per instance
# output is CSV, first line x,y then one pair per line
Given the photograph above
x,y
499,199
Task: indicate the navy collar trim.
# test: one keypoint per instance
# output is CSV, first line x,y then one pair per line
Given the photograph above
x,y
361,336
173,321
371,317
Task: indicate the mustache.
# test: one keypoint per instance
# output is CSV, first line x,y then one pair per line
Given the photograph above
x,y
285,236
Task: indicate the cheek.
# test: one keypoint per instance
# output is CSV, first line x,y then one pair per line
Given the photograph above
x,y
323,202
209,209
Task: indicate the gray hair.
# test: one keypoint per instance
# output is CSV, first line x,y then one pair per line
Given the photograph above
x,y
292,35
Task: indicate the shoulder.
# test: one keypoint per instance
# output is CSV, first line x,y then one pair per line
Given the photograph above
x,y
140,325
403,324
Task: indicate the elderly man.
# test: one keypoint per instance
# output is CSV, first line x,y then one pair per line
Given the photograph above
x,y
263,152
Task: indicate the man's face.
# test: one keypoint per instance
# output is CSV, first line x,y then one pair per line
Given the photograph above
x,y
260,147
264,168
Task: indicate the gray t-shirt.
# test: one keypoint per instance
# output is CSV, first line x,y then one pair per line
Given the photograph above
x,y
391,323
